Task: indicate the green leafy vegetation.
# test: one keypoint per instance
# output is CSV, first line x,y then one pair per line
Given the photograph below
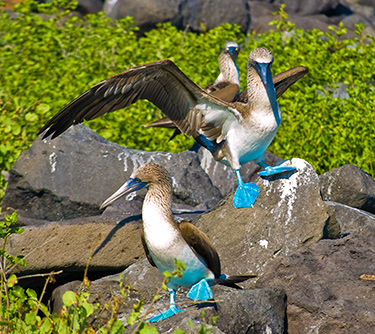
x,y
48,60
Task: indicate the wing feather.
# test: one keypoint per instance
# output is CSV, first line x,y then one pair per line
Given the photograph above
x,y
161,82
201,245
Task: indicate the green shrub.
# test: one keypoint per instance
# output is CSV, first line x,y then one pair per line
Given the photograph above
x,y
46,61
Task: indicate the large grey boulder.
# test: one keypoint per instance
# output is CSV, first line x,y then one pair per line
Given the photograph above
x,y
113,245
183,13
327,292
212,13
146,13
314,7
288,213
349,185
72,175
238,311
344,219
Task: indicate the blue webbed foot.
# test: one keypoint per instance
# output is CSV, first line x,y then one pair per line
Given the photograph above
x,y
200,291
165,314
268,170
246,195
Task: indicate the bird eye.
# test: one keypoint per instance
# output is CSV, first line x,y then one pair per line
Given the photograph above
x,y
137,179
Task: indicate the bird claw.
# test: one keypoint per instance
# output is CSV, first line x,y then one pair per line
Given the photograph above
x,y
246,195
200,291
268,171
165,314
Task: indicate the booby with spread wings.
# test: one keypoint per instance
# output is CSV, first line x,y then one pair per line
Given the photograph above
x,y
234,132
226,87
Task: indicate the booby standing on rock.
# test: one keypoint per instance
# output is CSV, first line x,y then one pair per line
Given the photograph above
x,y
235,133
164,240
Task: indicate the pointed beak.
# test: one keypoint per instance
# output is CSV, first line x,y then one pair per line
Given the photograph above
x,y
128,187
262,69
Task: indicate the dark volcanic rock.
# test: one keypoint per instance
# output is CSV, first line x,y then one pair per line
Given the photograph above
x,y
313,7
238,311
73,174
345,219
146,13
67,246
212,13
288,214
327,293
349,185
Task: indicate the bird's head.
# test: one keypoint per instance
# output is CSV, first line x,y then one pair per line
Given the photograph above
x,y
261,59
144,176
232,49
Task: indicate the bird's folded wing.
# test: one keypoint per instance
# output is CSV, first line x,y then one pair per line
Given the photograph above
x,y
201,245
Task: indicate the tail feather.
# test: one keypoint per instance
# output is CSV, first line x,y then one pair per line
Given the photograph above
x,y
230,281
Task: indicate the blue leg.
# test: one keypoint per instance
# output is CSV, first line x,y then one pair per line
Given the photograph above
x,y
268,170
168,313
246,193
200,291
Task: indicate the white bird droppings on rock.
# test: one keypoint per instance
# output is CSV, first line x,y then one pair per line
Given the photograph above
x,y
53,161
263,243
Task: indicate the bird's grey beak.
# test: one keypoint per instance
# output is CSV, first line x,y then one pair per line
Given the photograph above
x,y
127,188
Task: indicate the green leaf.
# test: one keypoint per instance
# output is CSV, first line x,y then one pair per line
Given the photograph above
x,y
46,326
179,265
131,320
148,329
88,307
31,318
179,331
12,280
69,298
42,108
117,327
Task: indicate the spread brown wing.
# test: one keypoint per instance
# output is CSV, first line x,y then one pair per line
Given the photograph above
x,y
282,82
160,82
201,245
149,258
225,91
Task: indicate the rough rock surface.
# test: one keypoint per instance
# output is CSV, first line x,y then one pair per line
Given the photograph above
x,y
288,213
238,311
250,15
73,174
68,246
325,287
349,185
146,13
345,219
280,238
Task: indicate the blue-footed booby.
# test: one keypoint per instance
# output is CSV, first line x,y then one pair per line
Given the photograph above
x,y
226,87
234,132
164,240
